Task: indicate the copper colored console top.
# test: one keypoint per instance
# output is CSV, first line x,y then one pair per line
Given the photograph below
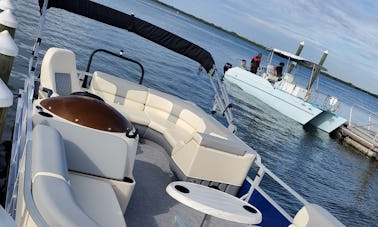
x,y
86,111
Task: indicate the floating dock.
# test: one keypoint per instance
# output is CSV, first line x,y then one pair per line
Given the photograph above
x,y
361,132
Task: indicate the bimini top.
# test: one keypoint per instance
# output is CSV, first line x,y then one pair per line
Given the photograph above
x,y
140,27
296,58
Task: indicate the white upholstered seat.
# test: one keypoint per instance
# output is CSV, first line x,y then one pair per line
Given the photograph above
x,y
313,215
58,73
65,199
200,147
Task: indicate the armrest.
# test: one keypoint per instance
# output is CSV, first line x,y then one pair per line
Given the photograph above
x,y
214,142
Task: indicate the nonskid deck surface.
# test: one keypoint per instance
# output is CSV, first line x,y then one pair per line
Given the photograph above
x,y
150,205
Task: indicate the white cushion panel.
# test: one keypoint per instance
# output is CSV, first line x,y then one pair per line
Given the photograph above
x,y
97,198
116,86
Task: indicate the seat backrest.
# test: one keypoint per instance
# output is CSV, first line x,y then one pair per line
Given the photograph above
x,y
58,72
312,215
51,190
87,150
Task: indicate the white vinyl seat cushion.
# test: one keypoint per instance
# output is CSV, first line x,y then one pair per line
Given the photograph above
x,y
58,72
48,157
313,215
115,90
56,203
200,146
219,143
65,199
97,198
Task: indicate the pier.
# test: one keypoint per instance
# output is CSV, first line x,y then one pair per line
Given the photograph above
x,y
361,131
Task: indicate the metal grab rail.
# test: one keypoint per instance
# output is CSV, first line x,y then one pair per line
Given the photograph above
x,y
17,147
255,184
329,102
370,122
120,55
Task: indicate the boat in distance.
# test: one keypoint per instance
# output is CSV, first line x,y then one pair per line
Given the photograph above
x,y
285,96
94,149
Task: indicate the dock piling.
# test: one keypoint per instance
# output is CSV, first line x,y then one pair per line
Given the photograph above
x,y
8,22
361,132
8,51
7,4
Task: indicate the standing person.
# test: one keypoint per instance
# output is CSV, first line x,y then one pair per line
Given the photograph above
x,y
255,63
243,64
279,70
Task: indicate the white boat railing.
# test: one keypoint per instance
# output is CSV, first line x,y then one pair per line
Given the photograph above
x,y
21,141
364,118
222,101
326,101
16,153
22,134
255,185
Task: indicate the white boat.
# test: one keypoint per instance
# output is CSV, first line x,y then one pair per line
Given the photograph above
x,y
282,94
97,150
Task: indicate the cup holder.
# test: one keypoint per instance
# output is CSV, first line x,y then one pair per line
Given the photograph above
x,y
45,114
128,180
182,189
250,209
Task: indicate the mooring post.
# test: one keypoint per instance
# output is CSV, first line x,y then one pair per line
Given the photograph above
x,y
298,52
8,50
7,4
8,22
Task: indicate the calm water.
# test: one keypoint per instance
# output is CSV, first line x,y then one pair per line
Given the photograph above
x,y
321,169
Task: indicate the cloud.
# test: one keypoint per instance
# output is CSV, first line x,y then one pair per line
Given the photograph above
x,y
348,29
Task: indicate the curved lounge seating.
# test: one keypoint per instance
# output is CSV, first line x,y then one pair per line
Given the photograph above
x,y
199,146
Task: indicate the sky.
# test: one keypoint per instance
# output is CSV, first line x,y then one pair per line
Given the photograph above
x,y
347,29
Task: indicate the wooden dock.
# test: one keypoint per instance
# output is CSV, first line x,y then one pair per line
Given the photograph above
x,y
361,139
361,132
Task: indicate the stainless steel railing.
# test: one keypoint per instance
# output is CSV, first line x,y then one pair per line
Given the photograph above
x,y
365,119
255,185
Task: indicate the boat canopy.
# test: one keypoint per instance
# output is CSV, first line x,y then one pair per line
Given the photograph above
x,y
296,58
138,26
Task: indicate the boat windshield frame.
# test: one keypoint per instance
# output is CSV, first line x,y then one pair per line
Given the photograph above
x,y
293,58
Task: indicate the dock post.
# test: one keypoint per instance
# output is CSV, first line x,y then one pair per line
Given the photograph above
x,y
7,4
8,22
317,70
298,52
8,50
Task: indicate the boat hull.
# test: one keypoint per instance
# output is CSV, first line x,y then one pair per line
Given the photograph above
x,y
285,103
328,121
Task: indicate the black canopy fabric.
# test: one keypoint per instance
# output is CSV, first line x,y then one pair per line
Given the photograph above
x,y
133,24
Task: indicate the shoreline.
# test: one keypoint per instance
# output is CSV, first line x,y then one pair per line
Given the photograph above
x,y
236,35
212,25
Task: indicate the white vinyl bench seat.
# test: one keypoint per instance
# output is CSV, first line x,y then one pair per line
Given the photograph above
x,y
65,199
98,200
200,147
311,215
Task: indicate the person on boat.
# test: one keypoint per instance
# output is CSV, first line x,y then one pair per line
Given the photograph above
x,y
279,70
243,64
255,63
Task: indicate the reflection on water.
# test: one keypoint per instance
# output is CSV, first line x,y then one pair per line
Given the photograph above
x,y
322,170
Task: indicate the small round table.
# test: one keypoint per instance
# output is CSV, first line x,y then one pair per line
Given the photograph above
x,y
214,202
